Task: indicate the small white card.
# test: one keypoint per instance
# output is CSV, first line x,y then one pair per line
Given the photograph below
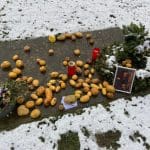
x,y
68,106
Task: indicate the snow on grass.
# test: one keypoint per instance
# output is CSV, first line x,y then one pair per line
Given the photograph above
x,y
124,115
34,18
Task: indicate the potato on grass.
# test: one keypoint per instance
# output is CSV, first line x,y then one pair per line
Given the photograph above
x,y
39,101
30,104
84,99
12,75
35,83
19,63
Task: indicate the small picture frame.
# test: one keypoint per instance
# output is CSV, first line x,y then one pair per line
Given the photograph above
x,y
124,78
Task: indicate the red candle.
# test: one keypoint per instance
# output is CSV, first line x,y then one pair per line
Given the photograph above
x,y
95,53
71,68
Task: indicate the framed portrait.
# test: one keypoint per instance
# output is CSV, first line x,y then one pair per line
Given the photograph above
x,y
124,78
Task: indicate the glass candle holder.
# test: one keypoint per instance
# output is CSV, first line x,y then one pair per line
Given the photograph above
x,y
71,68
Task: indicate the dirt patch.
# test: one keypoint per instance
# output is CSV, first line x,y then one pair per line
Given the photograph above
x,y
109,139
69,141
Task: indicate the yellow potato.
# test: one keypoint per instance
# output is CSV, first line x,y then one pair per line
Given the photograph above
x,y
110,95
58,88
104,92
85,84
5,65
94,91
78,85
35,113
105,83
54,74
77,52
64,77
94,86
86,66
53,101
42,69
79,63
12,75
84,99
52,38
22,110
26,48
92,70
78,92
86,89
70,99
129,65
65,63
39,101
95,81
30,104
110,88
52,81
29,80
75,77
78,34
72,82
77,95
17,71
34,96
35,83
40,91
15,57
89,93
61,37
20,99
42,62
63,85
19,63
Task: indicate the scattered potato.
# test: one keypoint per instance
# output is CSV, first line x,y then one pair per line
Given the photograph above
x,y
74,77
35,83
53,101
39,101
78,91
20,99
5,65
29,80
104,92
77,95
92,70
77,52
65,63
64,77
35,113
86,72
110,95
72,82
51,52
15,57
78,85
63,85
22,110
78,34
79,63
41,62
19,63
40,91
84,99
61,107
88,35
78,70
95,81
68,35
91,41
58,88
89,93
54,74
61,37
42,69
30,104
86,89
105,83
94,91
86,66
12,75
87,80
34,96
17,71
52,38
73,37
26,48
110,88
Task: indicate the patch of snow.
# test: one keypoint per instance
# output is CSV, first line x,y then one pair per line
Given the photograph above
x,y
148,64
100,120
141,73
33,18
139,49
111,60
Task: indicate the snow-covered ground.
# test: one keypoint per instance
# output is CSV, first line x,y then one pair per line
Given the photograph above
x,y
126,116
34,18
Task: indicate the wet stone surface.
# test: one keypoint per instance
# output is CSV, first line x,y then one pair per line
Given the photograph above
x,y
39,49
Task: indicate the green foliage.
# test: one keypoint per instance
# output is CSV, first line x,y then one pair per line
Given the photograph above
x,y
15,88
